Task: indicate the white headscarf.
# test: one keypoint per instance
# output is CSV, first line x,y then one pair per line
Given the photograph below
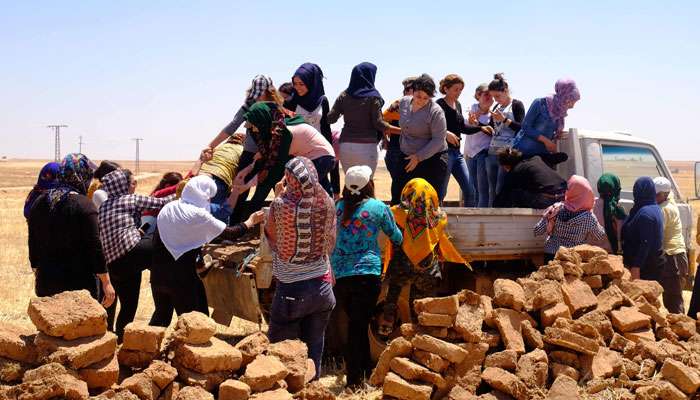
x,y
187,224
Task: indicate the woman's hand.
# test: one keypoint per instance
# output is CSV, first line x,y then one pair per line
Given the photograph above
x,y
239,181
257,156
498,116
255,218
279,188
473,119
548,144
452,139
109,294
412,162
487,129
206,154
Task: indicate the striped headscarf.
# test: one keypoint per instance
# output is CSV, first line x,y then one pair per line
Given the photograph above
x,y
74,175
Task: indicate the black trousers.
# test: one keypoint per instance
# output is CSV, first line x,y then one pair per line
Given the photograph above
x,y
175,285
51,281
433,170
357,295
240,213
125,274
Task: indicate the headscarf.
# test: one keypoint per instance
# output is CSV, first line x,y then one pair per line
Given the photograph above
x,y
312,76
302,214
187,224
115,183
644,193
645,206
565,90
579,197
48,179
423,224
609,189
258,87
273,138
74,175
362,81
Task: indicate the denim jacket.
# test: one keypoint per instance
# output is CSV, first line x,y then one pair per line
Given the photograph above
x,y
537,122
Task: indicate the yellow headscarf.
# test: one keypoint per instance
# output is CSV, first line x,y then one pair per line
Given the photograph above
x,y
94,185
423,224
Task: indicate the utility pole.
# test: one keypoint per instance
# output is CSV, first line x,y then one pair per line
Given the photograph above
x,y
80,144
138,141
57,140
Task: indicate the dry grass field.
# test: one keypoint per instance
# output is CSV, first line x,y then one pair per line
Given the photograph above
x,y
16,279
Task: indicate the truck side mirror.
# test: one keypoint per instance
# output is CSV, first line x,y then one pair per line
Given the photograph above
x,y
697,180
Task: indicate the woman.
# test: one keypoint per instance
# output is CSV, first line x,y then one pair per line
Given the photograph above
x,y
361,107
480,130
544,122
572,222
423,133
174,281
95,191
608,210
167,186
65,252
309,101
279,138
528,183
357,263
48,179
393,158
301,232
643,233
507,115
127,251
451,86
425,245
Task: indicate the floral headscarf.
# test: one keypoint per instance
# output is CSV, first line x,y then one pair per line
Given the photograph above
x,y
565,90
74,175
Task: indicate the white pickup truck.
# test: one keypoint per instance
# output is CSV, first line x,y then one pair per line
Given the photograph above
x,y
506,234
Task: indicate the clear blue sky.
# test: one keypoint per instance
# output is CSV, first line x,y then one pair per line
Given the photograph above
x,y
174,73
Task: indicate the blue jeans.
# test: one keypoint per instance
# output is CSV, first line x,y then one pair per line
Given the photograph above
x,y
219,206
324,165
477,170
301,310
457,167
496,175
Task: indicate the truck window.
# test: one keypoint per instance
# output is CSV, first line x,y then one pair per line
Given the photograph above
x,y
629,163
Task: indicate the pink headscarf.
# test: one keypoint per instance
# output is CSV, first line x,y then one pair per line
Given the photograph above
x,y
565,90
579,197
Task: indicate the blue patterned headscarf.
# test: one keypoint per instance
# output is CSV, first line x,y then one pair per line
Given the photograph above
x,y
48,179
74,175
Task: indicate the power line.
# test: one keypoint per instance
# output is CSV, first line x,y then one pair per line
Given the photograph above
x,y
138,141
57,140
80,144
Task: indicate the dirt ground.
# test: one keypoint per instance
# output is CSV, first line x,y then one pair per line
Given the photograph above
x,y
16,279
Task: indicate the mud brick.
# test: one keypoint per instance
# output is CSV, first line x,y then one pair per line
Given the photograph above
x,y
294,355
142,386
588,252
430,360
644,334
68,315
508,322
628,319
505,382
570,340
78,353
11,370
578,296
601,265
594,281
398,347
469,320
647,393
437,305
406,368
506,359
547,294
252,346
533,369
682,376
682,325
487,305
630,368
600,322
216,355
161,373
121,394
508,294
619,342
234,390
611,298
565,357
277,394
143,337
209,382
646,308
437,320
556,369
532,337
194,393
42,386
17,343
529,286
646,369
650,290
551,313
135,358
47,370
552,271
669,391
604,364
397,387
194,328
263,372
103,374
491,338
170,392
448,351
563,388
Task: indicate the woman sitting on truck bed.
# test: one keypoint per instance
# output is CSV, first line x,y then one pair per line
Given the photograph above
x,y
572,222
416,261
528,183
544,122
